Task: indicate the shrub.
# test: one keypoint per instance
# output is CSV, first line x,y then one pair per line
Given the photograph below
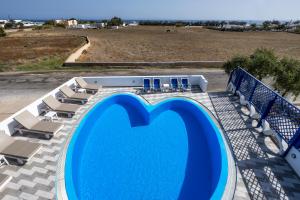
x,y
2,32
8,25
236,61
287,77
263,63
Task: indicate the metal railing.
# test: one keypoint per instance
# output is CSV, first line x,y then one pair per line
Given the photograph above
x,y
282,116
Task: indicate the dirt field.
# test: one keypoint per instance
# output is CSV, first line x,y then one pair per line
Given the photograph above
x,y
27,48
144,43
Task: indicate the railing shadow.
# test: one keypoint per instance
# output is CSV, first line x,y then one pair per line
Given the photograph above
x,y
265,174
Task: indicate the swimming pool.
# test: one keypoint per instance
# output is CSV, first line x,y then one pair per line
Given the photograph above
x,y
125,148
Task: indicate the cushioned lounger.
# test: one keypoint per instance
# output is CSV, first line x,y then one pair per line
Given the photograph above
x,y
174,83
89,87
70,94
33,125
156,84
185,84
19,150
64,108
146,85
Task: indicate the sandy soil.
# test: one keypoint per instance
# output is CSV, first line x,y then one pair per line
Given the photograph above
x,y
144,43
21,47
19,90
153,43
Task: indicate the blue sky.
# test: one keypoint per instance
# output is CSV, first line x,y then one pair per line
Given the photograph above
x,y
152,9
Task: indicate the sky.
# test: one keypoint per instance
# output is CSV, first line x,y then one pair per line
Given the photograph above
x,y
152,9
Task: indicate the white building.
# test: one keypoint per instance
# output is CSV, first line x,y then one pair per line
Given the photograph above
x,y
133,24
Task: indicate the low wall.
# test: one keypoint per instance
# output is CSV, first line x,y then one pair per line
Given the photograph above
x,y
74,56
36,107
137,81
202,64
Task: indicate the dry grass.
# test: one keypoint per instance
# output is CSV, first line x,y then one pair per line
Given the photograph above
x,y
146,43
24,49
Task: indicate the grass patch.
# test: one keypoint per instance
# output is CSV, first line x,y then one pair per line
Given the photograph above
x,y
47,63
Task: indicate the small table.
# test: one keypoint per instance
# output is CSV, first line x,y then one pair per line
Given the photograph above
x,y
166,87
51,116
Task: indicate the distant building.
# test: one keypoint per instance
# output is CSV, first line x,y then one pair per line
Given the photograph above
x,y
100,25
3,21
28,24
133,24
114,27
59,21
71,23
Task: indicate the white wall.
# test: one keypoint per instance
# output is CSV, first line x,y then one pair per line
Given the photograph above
x,y
9,124
35,108
293,158
137,81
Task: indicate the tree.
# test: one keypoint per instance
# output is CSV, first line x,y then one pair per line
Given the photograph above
x,y
236,61
8,25
2,32
115,21
266,25
263,63
50,22
287,77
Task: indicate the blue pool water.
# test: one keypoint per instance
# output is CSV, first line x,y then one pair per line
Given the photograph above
x,y
127,149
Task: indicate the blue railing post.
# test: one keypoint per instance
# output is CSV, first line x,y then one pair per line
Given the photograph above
x,y
239,82
252,92
230,77
266,112
295,141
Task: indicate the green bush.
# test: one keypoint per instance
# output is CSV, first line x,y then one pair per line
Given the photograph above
x,y
2,32
263,63
115,21
287,77
236,61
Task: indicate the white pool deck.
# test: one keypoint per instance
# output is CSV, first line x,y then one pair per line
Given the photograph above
x,y
261,173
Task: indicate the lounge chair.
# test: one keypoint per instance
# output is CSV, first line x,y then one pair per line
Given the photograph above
x,y
63,108
185,84
18,150
4,179
174,84
147,85
156,84
88,87
71,95
31,124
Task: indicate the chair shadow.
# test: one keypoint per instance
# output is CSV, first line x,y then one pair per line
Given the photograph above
x,y
265,174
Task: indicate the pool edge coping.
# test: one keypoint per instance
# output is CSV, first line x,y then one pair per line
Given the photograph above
x,y
61,192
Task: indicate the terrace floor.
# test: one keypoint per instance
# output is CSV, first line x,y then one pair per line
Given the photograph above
x,y
261,173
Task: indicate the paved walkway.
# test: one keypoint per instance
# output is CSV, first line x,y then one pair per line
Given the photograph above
x,y
261,174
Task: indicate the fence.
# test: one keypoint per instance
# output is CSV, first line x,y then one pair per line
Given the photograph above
x,y
282,116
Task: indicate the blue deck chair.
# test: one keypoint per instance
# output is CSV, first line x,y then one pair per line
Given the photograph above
x,y
174,84
156,84
147,86
185,84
